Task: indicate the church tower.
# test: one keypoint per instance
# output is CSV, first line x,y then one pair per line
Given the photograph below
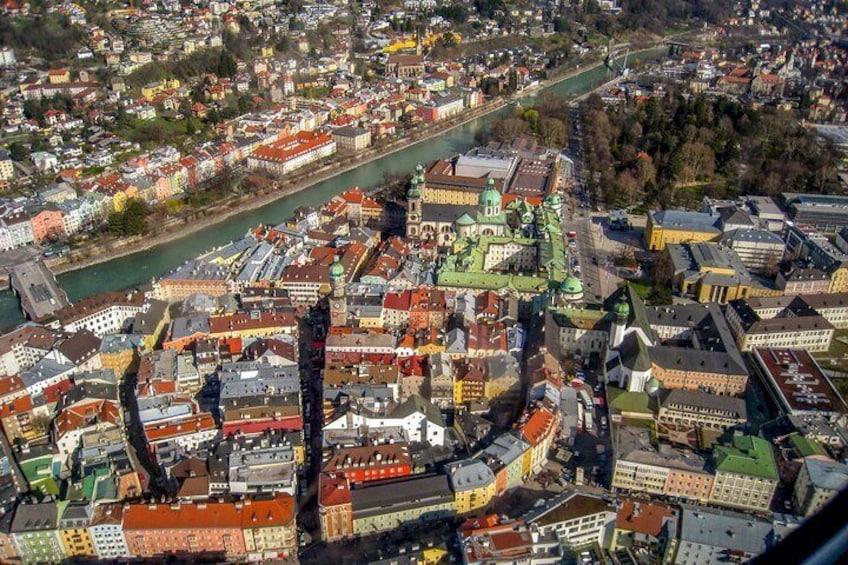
x,y
414,196
619,324
338,300
490,200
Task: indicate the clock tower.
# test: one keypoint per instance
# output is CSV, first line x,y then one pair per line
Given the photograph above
x,y
338,300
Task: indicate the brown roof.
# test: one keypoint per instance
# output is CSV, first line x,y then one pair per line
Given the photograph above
x,y
643,516
575,507
80,347
369,457
31,335
96,303
255,319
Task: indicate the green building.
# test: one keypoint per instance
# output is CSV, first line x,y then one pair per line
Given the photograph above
x,y
745,474
34,529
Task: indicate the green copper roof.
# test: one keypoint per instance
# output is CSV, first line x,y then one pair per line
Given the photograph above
x,y
622,308
490,196
465,220
622,400
806,447
552,200
336,269
748,455
572,285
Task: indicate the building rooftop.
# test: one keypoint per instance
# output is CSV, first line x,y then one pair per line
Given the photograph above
x,y
380,497
826,474
469,474
797,382
746,455
724,529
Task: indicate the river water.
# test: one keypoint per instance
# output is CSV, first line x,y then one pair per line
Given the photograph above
x,y
140,268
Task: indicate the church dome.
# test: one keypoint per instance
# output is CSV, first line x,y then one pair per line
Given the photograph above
x,y
572,287
490,195
336,269
553,200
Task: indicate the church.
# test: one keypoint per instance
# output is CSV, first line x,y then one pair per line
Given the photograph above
x,y
444,223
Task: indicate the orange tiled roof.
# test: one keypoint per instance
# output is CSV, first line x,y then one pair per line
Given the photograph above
x,y
538,426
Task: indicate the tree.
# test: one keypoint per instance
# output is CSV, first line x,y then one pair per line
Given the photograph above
x,y
531,116
552,132
132,220
18,151
510,129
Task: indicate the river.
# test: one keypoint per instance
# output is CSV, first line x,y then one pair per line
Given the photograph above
x,y
140,268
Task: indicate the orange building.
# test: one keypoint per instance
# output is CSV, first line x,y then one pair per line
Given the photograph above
x,y
335,509
689,485
371,463
212,529
426,309
47,223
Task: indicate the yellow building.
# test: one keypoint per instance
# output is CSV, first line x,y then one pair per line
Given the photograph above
x,y
839,279
121,353
674,226
152,89
73,530
708,272
473,484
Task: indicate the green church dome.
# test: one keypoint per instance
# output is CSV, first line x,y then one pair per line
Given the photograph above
x,y
572,285
490,195
553,200
336,269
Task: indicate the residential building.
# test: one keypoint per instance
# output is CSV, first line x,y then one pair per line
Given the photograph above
x,y
370,463
576,331
107,533
695,418
818,482
351,139
745,474
102,314
662,470
775,329
384,505
489,541
204,528
335,510
645,525
73,530
708,535
417,419
290,153
577,519
473,484
269,527
34,529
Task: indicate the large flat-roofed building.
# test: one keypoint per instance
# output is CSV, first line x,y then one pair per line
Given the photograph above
x,y
675,226
796,383
825,212
384,505
758,249
577,519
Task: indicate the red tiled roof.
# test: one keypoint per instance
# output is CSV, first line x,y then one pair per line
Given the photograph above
x,y
538,426
643,516
211,515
